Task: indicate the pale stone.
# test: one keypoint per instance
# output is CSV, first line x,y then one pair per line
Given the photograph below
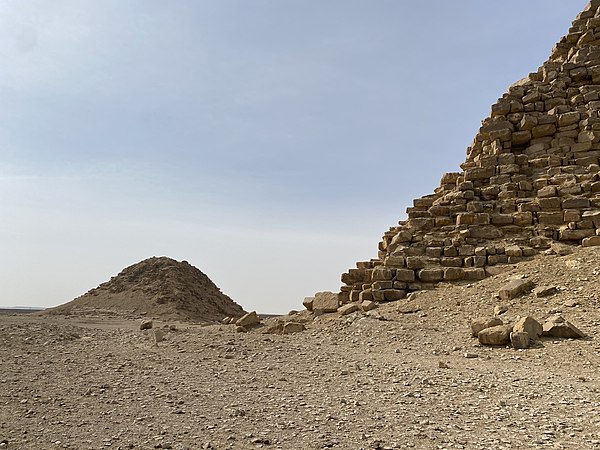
x,y
347,309
248,320
592,241
545,291
293,327
308,303
529,325
478,325
498,335
368,305
519,340
515,288
326,301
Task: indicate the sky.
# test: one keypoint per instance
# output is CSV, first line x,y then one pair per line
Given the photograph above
x,y
270,143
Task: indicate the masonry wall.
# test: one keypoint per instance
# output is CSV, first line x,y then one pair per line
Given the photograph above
x,y
531,177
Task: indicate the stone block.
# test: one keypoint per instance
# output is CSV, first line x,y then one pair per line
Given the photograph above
x,y
248,320
515,288
481,324
347,309
575,203
293,327
550,203
474,274
498,335
502,219
365,295
431,275
368,305
405,275
392,295
557,326
547,191
308,303
451,262
414,262
529,325
593,241
453,274
523,219
326,301
382,274
513,250
519,340
574,235
550,218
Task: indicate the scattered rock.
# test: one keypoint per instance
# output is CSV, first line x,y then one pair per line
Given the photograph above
x,y
478,325
241,329
293,327
500,309
443,365
368,305
515,288
571,303
561,249
308,303
498,335
146,325
470,355
248,320
348,309
519,340
557,326
326,302
226,320
530,326
158,336
545,291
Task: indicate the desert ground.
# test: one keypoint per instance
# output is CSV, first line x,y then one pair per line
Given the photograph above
x,y
405,375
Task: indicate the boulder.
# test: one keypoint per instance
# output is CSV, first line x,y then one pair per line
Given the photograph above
x,y
557,326
368,305
348,309
293,327
326,302
530,326
500,309
519,340
515,288
308,303
481,324
498,335
248,320
146,325
545,291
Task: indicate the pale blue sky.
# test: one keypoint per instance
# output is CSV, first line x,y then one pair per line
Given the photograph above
x,y
269,142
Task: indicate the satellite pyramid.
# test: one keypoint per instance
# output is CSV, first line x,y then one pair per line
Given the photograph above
x,y
531,178
160,287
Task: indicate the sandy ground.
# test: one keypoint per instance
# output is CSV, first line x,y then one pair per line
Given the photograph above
x,y
382,381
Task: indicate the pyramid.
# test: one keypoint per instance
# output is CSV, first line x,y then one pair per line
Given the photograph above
x,y
531,178
158,287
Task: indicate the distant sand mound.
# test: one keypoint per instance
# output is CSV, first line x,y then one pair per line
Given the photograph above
x,y
159,287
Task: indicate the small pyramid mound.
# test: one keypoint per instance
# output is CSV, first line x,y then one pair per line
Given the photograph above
x,y
159,287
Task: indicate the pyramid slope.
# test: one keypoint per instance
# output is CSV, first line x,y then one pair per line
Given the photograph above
x,y
159,287
531,178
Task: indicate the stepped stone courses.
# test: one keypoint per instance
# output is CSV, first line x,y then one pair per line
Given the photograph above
x,y
531,179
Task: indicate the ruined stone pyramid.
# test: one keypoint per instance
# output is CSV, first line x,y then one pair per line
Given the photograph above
x,y
531,178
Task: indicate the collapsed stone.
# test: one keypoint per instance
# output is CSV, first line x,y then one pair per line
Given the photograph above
x,y
326,302
519,340
248,320
557,326
530,326
515,288
478,325
497,335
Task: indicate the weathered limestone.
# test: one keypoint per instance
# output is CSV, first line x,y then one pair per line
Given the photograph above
x,y
531,179
557,326
519,339
530,326
481,324
326,302
515,288
498,335
248,320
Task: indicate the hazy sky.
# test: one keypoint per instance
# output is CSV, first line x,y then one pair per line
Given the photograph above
x,y
270,142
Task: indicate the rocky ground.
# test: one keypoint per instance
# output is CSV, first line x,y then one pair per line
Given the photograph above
x,y
407,375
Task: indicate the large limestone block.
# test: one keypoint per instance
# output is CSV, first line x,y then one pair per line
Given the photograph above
x,y
326,301
348,309
248,320
519,340
293,327
499,335
530,326
515,288
478,325
557,326
308,303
